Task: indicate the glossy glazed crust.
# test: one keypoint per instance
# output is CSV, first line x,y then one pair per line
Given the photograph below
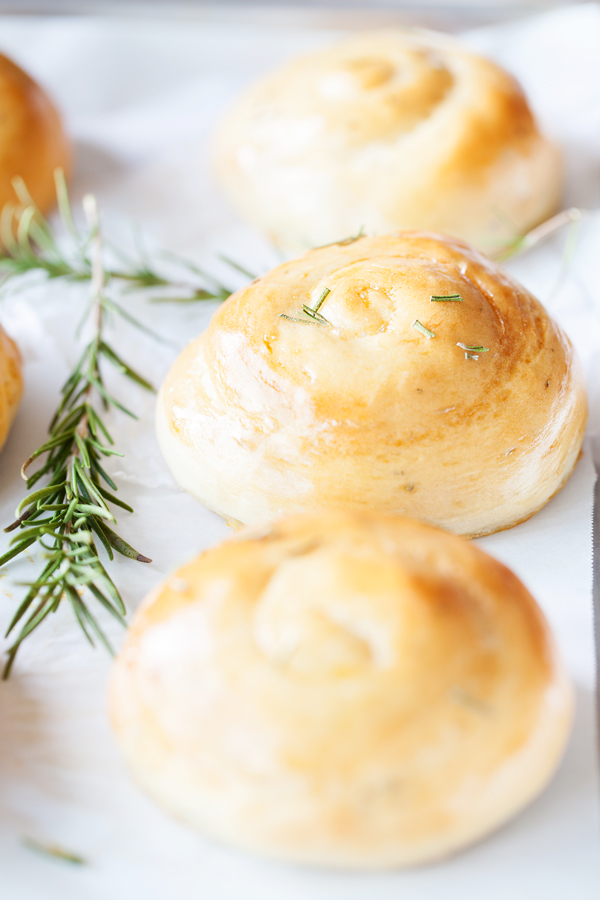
x,y
32,140
387,130
11,383
342,689
261,416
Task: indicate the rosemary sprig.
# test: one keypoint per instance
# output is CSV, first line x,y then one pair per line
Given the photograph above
x,y
30,244
71,511
424,331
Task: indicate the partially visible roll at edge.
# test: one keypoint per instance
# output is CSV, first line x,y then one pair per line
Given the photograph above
x,y
33,142
11,383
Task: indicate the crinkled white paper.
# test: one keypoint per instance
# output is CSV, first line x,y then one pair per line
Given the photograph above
x,y
141,99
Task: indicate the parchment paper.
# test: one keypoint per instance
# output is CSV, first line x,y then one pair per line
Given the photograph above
x,y
141,99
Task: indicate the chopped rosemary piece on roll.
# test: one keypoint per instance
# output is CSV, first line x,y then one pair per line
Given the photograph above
x,y
472,352
473,349
425,331
312,312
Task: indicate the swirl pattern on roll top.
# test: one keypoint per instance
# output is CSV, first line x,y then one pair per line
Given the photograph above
x,y
472,429
353,690
384,131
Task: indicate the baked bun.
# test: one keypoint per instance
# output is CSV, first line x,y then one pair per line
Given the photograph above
x,y
387,130
11,383
345,689
263,416
32,141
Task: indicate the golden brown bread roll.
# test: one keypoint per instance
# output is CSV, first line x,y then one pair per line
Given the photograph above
x,y
387,130
11,383
343,689
381,406
32,141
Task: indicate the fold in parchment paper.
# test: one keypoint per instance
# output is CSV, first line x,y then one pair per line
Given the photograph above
x,y
141,99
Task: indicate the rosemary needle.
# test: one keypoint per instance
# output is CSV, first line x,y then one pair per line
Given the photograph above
x,y
446,298
345,241
424,331
311,313
295,319
473,348
326,292
472,352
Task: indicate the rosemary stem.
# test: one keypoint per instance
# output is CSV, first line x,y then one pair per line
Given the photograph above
x,y
90,208
550,226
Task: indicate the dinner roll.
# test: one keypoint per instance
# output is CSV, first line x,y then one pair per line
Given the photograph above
x,y
344,689
11,383
387,130
32,141
429,384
